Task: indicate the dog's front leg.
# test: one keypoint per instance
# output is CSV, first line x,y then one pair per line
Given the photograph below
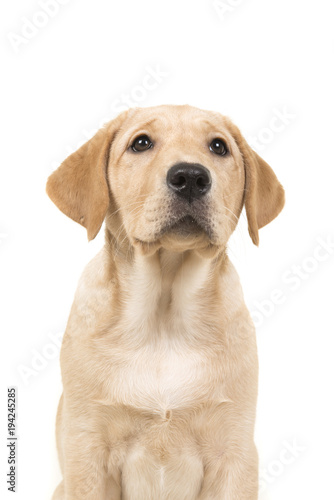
x,y
85,472
232,477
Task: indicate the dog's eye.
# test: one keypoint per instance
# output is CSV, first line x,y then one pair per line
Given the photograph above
x,y
218,147
142,143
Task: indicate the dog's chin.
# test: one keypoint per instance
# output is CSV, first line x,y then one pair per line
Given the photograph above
x,y
178,236
186,234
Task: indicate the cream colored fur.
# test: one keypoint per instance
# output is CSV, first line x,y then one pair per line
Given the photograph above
x,y
159,361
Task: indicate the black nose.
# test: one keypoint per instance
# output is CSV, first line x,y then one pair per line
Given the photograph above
x,y
189,180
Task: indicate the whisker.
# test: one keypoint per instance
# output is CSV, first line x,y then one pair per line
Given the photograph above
x,y
231,213
136,215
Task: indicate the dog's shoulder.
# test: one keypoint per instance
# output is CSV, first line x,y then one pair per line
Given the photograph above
x,y
93,299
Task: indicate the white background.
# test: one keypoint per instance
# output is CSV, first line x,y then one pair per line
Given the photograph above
x,y
257,59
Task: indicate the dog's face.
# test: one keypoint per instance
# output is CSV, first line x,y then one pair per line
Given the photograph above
x,y
170,176
176,178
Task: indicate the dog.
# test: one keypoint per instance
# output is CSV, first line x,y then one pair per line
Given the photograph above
x,y
159,358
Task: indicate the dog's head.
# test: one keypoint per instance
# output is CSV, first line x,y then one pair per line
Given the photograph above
x,y
170,176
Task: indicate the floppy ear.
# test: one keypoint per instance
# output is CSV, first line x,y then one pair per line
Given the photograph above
x,y
264,195
79,186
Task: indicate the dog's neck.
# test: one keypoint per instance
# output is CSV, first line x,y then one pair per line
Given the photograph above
x,y
164,286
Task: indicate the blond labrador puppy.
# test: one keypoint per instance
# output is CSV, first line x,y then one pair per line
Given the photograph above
x,y
159,361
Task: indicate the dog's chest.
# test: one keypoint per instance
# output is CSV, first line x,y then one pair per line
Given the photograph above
x,y
159,377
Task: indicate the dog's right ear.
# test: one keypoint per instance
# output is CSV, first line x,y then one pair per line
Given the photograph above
x,y
79,186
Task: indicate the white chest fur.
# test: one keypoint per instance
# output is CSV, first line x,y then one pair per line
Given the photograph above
x,y
159,377
163,356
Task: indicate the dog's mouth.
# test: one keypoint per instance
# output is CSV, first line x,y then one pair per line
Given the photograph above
x,y
185,232
186,226
182,228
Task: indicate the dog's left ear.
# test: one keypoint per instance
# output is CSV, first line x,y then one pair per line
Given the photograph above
x,y
79,186
264,195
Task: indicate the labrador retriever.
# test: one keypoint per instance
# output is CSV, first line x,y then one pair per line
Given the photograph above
x,y
159,360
